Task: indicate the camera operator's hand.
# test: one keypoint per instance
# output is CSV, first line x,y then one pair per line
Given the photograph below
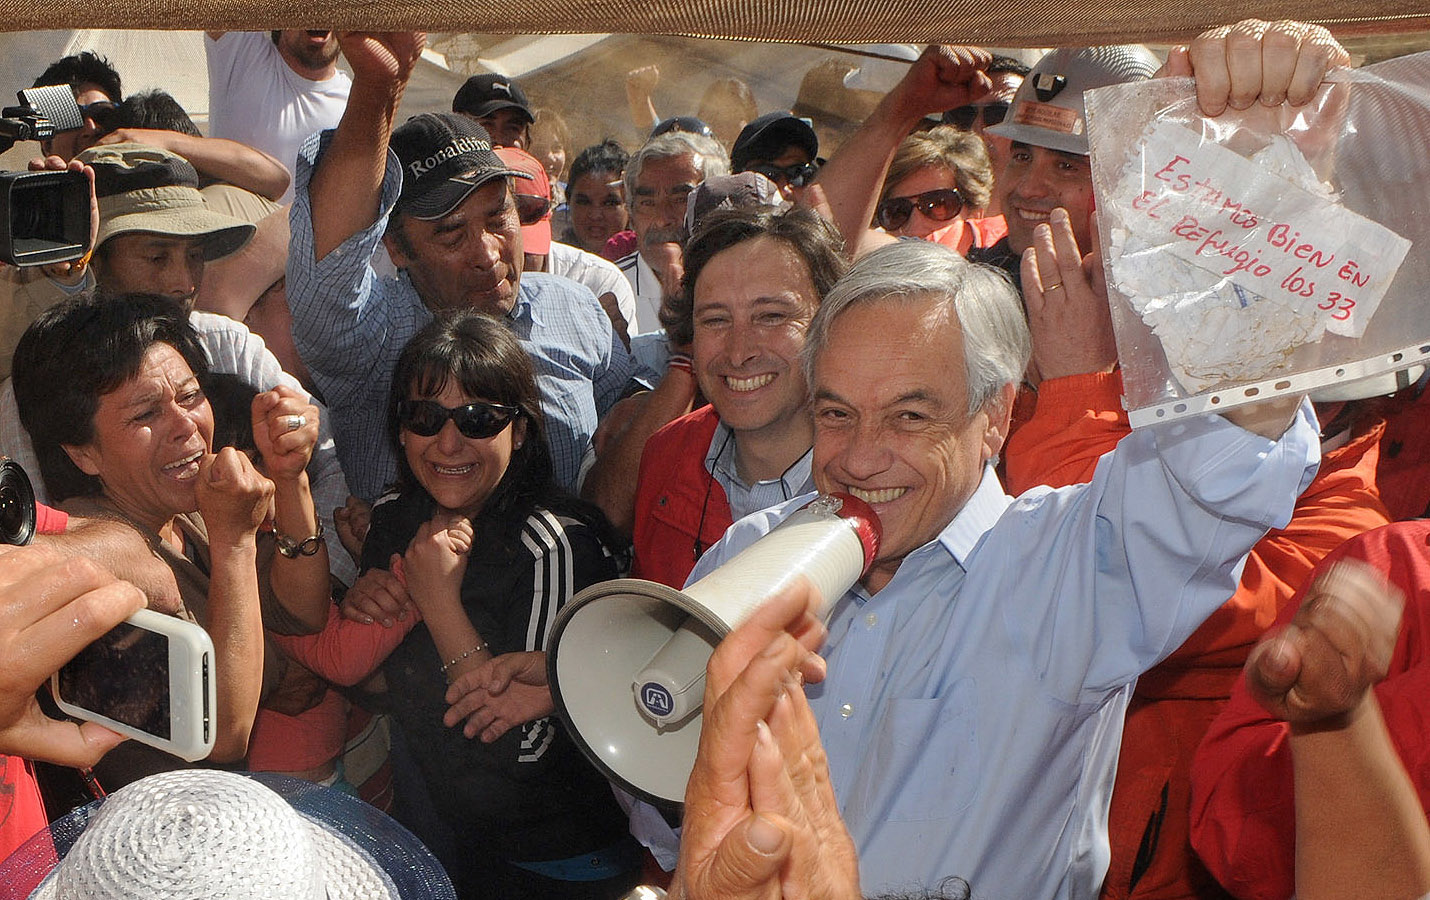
x,y
51,607
71,272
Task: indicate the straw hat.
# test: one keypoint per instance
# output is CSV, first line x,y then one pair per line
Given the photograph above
x,y
203,833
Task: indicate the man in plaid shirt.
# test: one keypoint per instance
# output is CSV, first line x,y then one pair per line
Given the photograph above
x,y
440,199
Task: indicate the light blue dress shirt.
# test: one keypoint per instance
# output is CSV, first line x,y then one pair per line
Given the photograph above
x,y
745,499
973,708
350,325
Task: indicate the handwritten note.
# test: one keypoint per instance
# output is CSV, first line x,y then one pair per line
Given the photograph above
x,y
1242,222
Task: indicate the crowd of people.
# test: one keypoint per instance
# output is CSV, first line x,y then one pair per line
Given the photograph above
x,y
372,399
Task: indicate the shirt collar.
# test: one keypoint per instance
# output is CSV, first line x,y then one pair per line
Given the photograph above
x,y
720,459
524,308
977,516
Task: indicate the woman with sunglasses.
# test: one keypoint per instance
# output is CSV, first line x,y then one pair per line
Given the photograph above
x,y
487,548
937,188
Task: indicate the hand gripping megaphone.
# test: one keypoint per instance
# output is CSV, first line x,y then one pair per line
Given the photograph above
x,y
626,659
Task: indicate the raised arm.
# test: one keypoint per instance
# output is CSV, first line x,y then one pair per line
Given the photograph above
x,y
1256,61
1360,829
285,431
233,500
224,160
347,183
232,285
640,84
942,78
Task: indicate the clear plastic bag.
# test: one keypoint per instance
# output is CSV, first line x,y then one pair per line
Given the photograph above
x,y
1267,251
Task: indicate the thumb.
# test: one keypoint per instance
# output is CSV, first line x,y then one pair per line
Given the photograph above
x,y
68,744
747,863
1178,64
502,672
1274,665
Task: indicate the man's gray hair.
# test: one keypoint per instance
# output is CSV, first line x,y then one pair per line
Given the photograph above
x,y
996,344
709,157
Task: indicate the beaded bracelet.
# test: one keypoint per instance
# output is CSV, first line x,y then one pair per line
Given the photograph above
x,y
475,650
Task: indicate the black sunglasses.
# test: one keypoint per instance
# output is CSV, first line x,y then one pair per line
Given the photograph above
x,y
964,116
426,418
530,208
940,205
104,114
797,175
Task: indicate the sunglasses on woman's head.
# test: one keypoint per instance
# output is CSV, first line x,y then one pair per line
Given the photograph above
x,y
940,205
426,418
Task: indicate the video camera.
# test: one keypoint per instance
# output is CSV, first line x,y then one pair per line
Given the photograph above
x,y
44,216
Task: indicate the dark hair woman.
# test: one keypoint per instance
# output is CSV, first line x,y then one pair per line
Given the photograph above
x,y
488,549
108,388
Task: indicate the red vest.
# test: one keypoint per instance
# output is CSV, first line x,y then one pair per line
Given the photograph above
x,y
675,490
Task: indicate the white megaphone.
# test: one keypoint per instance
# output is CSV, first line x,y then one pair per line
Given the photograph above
x,y
626,659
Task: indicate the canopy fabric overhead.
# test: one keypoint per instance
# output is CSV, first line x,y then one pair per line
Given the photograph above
x,y
1012,23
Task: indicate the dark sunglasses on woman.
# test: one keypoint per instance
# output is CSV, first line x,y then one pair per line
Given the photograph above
x,y
426,418
940,205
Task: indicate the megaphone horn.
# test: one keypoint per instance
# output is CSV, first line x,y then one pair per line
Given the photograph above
x,y
626,660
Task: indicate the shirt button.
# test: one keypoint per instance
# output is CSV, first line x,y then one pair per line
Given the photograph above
x,y
871,620
846,710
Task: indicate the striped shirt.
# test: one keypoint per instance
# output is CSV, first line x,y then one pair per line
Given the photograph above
x,y
530,794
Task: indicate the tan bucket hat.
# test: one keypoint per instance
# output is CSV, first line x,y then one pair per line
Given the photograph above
x,y
146,189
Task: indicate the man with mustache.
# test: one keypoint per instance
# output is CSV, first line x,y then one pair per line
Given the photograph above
x,y
659,177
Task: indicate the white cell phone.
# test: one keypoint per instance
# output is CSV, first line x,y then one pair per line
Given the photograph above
x,y
149,678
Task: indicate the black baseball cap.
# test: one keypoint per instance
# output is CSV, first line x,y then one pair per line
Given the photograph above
x,y
768,135
444,158
482,95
